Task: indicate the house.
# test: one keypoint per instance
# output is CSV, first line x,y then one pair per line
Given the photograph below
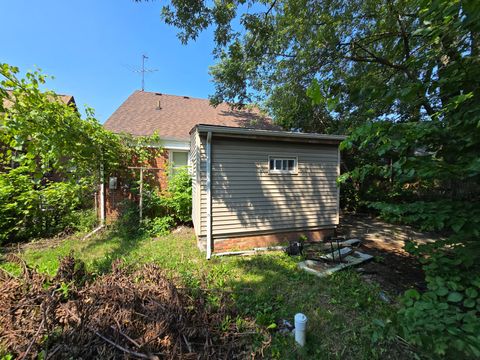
x,y
172,117
253,185
254,188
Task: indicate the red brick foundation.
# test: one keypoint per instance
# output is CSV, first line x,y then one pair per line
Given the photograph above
x,y
254,241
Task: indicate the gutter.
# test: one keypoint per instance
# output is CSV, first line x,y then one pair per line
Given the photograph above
x,y
235,131
209,194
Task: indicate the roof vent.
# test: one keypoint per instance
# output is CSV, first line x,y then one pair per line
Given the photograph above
x,y
186,97
159,94
159,105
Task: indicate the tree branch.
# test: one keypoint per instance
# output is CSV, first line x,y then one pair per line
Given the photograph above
x,y
403,32
379,60
274,2
125,350
375,58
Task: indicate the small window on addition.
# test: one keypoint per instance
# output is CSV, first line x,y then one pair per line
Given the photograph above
x,y
282,165
179,160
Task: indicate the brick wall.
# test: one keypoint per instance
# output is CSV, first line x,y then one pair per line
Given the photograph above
x,y
114,198
250,242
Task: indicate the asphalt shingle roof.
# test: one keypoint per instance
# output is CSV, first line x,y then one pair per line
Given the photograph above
x,y
172,116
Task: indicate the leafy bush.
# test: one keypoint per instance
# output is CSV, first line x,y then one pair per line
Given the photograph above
x,y
177,200
81,220
28,210
424,170
158,226
50,158
163,210
445,319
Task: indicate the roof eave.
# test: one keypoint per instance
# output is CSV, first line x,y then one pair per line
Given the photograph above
x,y
269,134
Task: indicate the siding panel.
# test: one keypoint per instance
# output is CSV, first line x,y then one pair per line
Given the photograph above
x,y
246,198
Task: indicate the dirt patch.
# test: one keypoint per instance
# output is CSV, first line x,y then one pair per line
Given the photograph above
x,y
120,315
394,269
37,244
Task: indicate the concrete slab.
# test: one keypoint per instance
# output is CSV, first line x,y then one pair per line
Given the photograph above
x,y
353,259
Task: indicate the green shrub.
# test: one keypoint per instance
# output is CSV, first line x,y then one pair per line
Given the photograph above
x,y
29,210
158,226
169,208
177,200
17,200
81,220
50,158
445,319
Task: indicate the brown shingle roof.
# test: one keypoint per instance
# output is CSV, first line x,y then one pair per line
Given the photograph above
x,y
140,114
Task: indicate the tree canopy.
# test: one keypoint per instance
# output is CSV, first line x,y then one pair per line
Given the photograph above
x,y
371,59
402,79
51,157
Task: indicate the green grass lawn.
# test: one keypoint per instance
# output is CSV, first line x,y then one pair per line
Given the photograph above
x,y
267,287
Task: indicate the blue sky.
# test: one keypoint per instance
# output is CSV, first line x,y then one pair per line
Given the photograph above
x,y
92,46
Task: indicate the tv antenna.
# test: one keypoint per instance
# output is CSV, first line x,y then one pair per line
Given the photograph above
x,y
143,71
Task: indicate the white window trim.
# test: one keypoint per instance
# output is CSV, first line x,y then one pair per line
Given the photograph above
x,y
281,157
171,144
170,159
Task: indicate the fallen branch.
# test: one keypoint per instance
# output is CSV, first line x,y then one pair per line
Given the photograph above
x,y
93,232
126,336
125,350
17,259
137,314
33,340
188,344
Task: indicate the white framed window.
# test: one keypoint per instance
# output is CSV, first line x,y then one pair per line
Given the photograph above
x,y
282,165
178,160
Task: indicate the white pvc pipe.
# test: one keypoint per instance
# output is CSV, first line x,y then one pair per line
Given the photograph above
x,y
250,252
300,328
93,232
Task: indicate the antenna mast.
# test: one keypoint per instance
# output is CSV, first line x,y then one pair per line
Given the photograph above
x,y
143,71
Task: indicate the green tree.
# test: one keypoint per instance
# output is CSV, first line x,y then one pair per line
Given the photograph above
x,y
51,157
402,78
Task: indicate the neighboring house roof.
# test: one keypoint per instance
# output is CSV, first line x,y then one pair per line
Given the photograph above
x,y
67,99
172,116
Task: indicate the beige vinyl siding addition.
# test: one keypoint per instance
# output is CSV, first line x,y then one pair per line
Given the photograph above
x,y
247,199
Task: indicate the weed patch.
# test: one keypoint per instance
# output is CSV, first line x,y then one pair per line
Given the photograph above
x,y
267,288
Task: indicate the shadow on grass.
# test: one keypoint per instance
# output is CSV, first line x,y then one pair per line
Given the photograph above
x,y
120,242
340,309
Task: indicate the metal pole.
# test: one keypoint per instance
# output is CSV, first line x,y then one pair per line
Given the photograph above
x,y
102,194
143,71
141,194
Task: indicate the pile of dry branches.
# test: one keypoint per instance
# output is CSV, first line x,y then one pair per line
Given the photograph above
x,y
123,314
